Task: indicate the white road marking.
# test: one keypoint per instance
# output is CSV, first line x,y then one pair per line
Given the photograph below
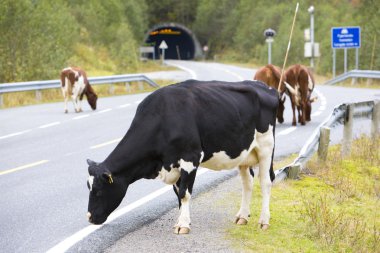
x,y
105,110
125,105
190,71
239,77
287,131
50,124
105,144
316,113
138,102
322,107
23,167
81,234
81,117
14,134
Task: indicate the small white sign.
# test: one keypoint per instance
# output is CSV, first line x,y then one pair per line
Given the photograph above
x,y
308,52
163,45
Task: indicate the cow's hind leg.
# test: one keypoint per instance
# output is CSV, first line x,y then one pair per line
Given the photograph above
x,y
247,185
184,189
265,153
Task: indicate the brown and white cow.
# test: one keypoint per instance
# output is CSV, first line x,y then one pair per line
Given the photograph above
x,y
301,79
74,84
271,74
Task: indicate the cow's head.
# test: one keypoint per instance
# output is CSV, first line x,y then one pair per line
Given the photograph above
x,y
92,98
106,192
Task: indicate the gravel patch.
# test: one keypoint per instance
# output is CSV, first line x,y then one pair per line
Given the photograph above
x,y
212,213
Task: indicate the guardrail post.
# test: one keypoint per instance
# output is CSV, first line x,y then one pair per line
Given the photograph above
x,y
141,85
347,130
128,87
38,95
1,101
294,171
111,89
375,131
324,140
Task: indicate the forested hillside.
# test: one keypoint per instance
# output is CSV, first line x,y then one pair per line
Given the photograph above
x,y
39,37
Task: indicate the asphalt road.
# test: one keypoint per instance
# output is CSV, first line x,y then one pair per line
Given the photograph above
x,y
43,171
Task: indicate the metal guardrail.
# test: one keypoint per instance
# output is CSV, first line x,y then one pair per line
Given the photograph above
x,y
374,74
339,115
53,84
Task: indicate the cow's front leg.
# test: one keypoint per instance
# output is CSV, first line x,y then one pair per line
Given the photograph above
x,y
247,183
75,102
184,189
294,122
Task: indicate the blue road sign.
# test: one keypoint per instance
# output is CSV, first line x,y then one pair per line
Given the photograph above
x,y
345,37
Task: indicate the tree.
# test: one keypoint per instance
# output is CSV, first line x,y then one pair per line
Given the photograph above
x,y
36,39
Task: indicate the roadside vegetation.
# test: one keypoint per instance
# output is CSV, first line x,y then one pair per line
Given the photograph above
x,y
333,207
40,37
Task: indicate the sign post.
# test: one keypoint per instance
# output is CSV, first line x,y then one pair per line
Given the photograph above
x,y
269,34
344,38
163,46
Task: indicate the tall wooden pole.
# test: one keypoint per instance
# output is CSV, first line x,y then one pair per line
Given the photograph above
x,y
287,50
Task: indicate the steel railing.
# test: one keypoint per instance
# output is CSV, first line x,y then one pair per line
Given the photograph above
x,y
339,115
373,74
53,84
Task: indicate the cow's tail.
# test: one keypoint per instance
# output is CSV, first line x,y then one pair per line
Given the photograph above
x,y
271,172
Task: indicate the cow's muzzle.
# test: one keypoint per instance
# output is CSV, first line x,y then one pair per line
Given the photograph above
x,y
89,216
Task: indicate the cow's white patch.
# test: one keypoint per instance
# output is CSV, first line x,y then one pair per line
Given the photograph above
x,y
184,217
221,161
187,166
90,182
169,177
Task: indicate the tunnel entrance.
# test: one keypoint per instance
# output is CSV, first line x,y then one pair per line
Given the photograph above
x,y
182,43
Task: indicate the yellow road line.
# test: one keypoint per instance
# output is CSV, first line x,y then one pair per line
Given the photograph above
x,y
23,167
105,144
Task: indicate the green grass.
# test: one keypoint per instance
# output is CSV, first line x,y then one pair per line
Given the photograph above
x,y
333,208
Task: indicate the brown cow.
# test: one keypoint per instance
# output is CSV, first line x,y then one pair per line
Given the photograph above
x,y
74,84
271,74
301,79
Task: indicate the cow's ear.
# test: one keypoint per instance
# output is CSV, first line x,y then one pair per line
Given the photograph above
x,y
107,176
90,162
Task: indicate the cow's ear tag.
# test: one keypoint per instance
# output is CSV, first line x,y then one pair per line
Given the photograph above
x,y
108,177
110,180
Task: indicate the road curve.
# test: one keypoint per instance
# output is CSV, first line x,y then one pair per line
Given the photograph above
x,y
43,170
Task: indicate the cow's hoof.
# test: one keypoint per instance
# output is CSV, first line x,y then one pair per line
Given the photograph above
x,y
264,226
241,221
66,111
181,230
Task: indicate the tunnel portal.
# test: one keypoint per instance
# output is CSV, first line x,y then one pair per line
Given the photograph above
x,y
182,43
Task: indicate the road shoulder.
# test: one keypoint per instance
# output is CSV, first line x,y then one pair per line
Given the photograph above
x,y
212,213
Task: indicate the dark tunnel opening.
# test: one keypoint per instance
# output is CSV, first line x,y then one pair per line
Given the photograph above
x,y
182,44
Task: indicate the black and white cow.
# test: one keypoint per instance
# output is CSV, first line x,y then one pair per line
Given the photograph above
x,y
176,129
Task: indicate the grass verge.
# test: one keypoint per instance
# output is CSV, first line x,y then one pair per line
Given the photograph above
x,y
334,207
